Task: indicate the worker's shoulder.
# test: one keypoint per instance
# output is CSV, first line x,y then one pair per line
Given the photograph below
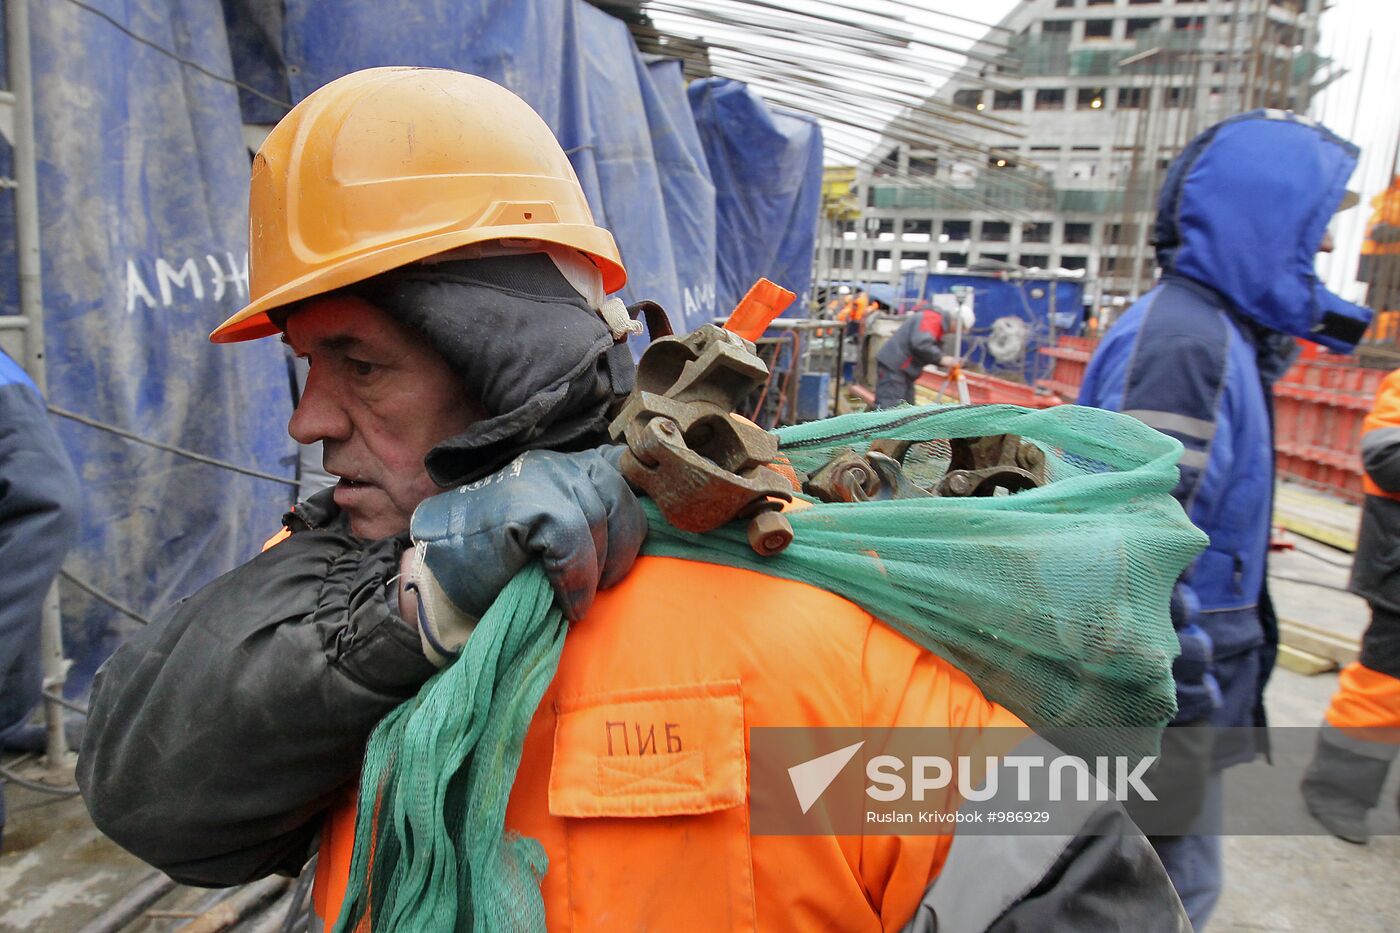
x,y
1179,310
694,601
11,373
1390,385
18,393
801,653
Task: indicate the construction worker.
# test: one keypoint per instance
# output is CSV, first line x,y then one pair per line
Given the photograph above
x,y
1361,733
901,360
419,235
38,520
855,308
1241,215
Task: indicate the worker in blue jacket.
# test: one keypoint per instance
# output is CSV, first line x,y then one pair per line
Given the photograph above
x,y
38,518
1241,216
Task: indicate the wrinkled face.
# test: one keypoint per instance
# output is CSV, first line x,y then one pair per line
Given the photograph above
x,y
379,398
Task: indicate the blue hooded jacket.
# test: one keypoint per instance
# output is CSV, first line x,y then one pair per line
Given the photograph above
x,y
38,519
1240,218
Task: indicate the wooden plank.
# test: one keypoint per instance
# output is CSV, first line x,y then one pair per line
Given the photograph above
x,y
1317,517
1301,662
1315,531
861,392
1299,636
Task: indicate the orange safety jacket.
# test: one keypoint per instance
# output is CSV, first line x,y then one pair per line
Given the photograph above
x,y
1384,417
1367,697
687,657
854,311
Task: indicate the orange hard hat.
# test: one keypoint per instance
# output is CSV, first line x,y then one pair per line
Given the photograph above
x,y
390,166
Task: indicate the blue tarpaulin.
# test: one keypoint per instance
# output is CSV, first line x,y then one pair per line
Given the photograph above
x,y
767,166
994,297
143,180
688,194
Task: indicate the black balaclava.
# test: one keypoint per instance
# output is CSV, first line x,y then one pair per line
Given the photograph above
x,y
526,346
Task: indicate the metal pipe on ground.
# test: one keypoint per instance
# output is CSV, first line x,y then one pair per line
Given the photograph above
x,y
243,902
130,907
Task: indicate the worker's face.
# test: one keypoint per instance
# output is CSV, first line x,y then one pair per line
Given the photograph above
x,y
379,398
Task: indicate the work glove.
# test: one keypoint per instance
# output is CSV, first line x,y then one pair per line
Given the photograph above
x,y
1178,778
1197,691
574,512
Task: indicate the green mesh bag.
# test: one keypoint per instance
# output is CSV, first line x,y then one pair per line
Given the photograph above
x,y
1054,601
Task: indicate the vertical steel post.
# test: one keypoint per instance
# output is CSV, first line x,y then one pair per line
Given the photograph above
x,y
31,307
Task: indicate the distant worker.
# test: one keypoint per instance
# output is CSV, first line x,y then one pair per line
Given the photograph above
x,y
1242,213
855,308
38,520
1349,768
461,382
837,302
917,343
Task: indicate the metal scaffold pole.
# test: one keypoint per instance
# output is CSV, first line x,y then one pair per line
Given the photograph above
x,y
31,308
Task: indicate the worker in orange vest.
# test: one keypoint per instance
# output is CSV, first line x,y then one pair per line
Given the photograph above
x,y
419,235
1361,734
855,309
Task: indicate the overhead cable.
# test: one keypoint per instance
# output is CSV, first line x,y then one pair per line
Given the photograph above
x,y
179,58
103,597
170,448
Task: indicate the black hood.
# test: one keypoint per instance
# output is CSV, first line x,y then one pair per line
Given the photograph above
x,y
527,347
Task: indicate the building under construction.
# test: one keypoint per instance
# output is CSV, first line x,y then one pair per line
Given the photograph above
x,y
1069,112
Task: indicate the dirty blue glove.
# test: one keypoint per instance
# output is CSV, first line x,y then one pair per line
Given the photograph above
x,y
572,511
1197,691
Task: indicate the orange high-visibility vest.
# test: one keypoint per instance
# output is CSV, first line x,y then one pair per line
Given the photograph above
x,y
679,661
1385,413
1367,699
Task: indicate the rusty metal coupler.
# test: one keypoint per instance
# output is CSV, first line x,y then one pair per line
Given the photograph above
x,y
977,466
702,466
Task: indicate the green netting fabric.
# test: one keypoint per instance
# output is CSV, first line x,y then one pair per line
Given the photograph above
x,y
431,851
1054,601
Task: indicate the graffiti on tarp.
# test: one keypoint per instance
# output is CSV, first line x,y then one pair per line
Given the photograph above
x,y
699,303
193,277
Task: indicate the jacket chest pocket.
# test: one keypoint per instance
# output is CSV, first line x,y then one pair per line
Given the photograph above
x,y
652,786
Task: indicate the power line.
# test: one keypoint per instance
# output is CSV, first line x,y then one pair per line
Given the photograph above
x,y
182,60
66,703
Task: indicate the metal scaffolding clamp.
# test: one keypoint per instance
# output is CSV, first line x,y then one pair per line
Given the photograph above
x,y
978,466
700,464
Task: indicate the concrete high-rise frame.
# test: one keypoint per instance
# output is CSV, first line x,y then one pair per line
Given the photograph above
x,y
1105,92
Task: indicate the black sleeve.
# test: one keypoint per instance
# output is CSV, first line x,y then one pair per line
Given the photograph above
x,y
219,734
1107,878
1101,875
38,519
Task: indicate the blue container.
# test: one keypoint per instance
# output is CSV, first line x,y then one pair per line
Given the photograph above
x,y
814,396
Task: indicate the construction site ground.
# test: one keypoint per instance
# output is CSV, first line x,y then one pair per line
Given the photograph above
x,y
58,872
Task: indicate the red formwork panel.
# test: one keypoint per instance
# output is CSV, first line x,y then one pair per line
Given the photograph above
x,y
989,390
1071,356
1319,406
